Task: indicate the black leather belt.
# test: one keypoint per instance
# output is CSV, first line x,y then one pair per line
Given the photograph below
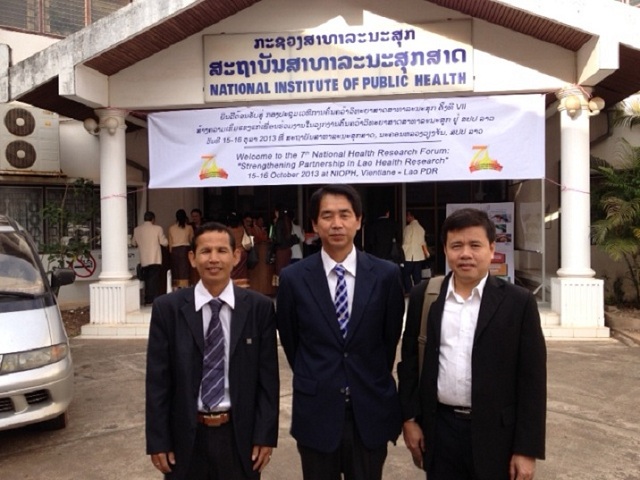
x,y
458,411
214,419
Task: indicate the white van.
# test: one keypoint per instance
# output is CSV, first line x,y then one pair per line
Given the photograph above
x,y
36,371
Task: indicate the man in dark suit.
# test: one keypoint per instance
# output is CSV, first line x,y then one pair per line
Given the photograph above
x,y
189,434
478,409
345,402
381,234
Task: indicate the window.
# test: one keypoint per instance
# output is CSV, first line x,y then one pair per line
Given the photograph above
x,y
55,17
25,203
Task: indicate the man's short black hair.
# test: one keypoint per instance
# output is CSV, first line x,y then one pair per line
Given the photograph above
x,y
468,217
212,227
149,216
337,189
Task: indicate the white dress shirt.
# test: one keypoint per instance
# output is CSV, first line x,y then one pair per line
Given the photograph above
x,y
459,321
349,265
202,298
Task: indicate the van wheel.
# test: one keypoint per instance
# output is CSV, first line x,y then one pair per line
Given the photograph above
x,y
57,423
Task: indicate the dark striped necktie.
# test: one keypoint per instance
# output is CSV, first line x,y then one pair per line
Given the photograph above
x,y
341,300
213,362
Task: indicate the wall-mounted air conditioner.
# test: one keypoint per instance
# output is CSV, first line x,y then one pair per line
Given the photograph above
x,y
29,140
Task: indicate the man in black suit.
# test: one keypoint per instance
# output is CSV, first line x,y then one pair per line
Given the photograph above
x,y
478,409
190,436
345,402
381,233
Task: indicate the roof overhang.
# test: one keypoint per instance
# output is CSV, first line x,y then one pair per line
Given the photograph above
x,y
146,27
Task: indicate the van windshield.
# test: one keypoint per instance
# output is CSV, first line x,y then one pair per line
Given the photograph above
x,y
19,273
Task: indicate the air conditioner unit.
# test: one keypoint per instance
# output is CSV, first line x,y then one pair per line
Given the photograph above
x,y
29,140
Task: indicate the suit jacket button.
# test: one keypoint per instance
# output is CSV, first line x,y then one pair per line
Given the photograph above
x,y
346,354
342,390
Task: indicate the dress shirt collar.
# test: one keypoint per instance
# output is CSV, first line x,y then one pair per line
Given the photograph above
x,y
203,296
349,263
477,290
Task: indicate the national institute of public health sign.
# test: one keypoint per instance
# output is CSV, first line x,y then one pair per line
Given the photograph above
x,y
342,62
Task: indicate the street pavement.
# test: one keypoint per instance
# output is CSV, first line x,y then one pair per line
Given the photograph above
x,y
593,421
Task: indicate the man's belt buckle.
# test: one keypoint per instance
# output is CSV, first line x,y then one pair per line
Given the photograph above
x,y
465,411
214,419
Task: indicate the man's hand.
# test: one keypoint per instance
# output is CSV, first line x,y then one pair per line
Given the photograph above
x,y
163,461
521,467
260,456
414,439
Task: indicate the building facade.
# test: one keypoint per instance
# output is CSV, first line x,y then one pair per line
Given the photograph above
x,y
149,56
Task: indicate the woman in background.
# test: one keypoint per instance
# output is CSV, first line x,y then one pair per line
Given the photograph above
x,y
240,273
281,238
180,235
297,236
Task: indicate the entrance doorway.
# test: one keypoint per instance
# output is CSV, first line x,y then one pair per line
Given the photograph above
x,y
426,200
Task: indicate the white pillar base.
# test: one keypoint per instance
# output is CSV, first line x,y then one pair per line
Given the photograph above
x,y
111,301
579,302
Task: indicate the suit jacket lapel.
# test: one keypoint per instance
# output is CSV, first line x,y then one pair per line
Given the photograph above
x,y
492,296
238,317
194,320
316,280
365,284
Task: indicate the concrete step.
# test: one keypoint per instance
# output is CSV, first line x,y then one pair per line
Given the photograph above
x,y
136,326
142,316
124,330
576,333
549,317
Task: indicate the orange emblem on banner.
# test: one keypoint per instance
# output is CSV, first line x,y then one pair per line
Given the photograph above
x,y
210,169
482,161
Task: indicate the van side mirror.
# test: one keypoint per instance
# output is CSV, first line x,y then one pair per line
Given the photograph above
x,y
61,277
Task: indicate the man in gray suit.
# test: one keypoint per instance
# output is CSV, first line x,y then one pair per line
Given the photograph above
x,y
478,410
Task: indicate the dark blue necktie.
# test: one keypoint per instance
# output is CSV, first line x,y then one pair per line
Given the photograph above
x,y
341,299
213,362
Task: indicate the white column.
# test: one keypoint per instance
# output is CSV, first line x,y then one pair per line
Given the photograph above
x,y
113,195
116,294
575,219
576,295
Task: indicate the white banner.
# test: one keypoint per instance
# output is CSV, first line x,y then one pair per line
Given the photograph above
x,y
392,141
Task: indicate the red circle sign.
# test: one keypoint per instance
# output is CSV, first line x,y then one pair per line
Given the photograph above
x,y
84,266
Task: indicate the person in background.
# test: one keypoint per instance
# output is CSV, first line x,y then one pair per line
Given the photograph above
x,y
196,218
477,411
150,238
260,233
340,317
297,236
247,223
180,235
281,238
415,252
240,272
212,381
381,233
196,221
